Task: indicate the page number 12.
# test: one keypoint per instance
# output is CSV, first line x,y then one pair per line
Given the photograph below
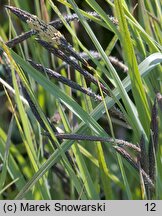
x,y
150,206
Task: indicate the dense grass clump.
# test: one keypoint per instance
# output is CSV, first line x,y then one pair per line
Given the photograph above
x,y
81,100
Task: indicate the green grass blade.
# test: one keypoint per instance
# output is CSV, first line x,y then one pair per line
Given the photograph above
x,y
13,169
130,58
6,155
54,90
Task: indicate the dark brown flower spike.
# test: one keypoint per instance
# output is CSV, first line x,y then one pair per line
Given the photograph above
x,y
144,163
118,142
153,144
144,156
20,38
47,32
56,23
69,61
33,106
23,15
115,61
39,119
134,164
64,80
